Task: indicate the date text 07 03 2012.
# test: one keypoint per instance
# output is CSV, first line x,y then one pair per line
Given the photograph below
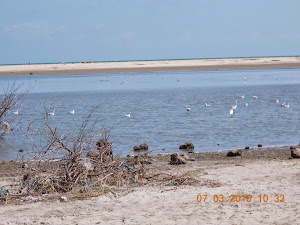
x,y
241,198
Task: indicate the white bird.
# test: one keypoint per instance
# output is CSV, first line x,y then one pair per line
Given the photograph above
x,y
255,97
72,112
127,115
285,105
207,105
188,108
16,112
277,101
245,78
231,112
51,113
234,107
243,96
246,104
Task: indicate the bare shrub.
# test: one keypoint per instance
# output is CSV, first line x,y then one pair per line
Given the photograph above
x,y
9,100
72,162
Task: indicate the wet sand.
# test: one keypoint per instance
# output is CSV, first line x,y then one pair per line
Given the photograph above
x,y
150,66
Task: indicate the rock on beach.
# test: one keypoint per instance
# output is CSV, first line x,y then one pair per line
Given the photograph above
x,y
295,151
234,152
187,146
177,159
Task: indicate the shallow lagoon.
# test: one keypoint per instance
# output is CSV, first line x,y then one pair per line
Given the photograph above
x,y
157,104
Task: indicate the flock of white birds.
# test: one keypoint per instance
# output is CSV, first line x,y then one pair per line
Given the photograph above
x,y
231,112
233,108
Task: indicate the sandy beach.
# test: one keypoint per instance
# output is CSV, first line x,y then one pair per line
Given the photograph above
x,y
270,172
150,66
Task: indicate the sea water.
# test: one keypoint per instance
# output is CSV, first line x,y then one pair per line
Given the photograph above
x,y
157,103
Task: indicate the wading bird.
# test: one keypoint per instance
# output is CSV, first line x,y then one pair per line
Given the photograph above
x,y
51,113
285,105
234,107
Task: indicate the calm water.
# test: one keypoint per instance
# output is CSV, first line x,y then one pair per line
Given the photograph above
x,y
157,104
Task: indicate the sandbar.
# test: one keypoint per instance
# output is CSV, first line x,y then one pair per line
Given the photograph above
x,y
149,66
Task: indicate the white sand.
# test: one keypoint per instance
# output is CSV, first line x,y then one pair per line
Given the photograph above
x,y
171,205
140,66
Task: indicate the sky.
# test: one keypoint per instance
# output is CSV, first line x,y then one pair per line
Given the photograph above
x,y
114,30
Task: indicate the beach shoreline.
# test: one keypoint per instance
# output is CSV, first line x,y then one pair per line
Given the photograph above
x,y
150,66
270,173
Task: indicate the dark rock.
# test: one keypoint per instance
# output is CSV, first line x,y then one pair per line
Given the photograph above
x,y
247,147
295,151
139,159
259,145
144,146
187,146
136,148
234,152
103,153
176,159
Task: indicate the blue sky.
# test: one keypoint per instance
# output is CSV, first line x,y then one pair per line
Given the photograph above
x,y
112,30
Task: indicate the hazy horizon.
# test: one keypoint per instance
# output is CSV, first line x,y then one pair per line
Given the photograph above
x,y
100,30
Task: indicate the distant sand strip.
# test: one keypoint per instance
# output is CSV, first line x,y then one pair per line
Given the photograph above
x,y
150,66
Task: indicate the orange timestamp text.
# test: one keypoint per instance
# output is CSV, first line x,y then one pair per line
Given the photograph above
x,y
241,198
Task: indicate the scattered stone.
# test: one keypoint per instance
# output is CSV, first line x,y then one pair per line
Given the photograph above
x,y
187,146
247,147
136,148
139,159
176,159
259,145
21,150
295,151
234,152
142,147
103,153
63,199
